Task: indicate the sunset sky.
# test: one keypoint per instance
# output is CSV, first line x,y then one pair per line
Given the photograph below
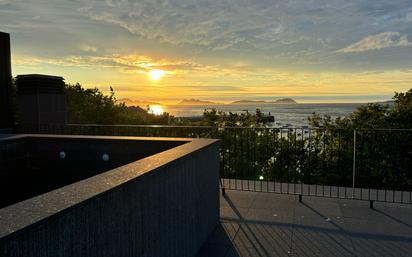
x,y
222,50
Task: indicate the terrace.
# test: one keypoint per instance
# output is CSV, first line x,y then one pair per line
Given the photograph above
x,y
275,211
266,224
94,190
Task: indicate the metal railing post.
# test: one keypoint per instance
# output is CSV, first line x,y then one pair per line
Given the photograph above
x,y
222,186
354,164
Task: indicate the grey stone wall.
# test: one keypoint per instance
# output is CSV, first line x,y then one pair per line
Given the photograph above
x,y
168,211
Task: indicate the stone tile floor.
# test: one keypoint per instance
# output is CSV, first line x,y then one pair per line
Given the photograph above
x,y
268,224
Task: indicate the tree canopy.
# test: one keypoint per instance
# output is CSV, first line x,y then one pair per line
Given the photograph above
x,y
91,106
396,114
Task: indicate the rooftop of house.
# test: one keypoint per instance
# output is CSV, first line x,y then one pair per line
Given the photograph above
x,y
269,224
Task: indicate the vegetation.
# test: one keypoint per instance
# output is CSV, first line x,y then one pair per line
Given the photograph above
x,y
214,118
249,150
373,115
383,141
321,155
91,106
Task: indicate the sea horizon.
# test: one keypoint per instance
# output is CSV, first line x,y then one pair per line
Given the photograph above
x,y
253,101
295,115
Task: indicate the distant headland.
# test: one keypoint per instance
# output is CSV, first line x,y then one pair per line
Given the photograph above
x,y
197,102
239,102
278,101
133,102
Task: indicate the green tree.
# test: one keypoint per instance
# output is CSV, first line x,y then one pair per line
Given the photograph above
x,y
212,117
383,142
91,106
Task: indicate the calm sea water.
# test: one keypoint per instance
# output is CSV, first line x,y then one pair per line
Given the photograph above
x,y
293,114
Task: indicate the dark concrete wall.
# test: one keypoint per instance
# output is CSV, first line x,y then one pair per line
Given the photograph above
x,y
32,166
6,116
169,211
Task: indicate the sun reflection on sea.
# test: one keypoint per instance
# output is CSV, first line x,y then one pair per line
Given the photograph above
x,y
156,109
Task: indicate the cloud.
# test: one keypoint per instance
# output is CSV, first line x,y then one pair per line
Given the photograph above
x,y
379,41
408,16
4,2
88,48
217,25
296,34
264,33
129,63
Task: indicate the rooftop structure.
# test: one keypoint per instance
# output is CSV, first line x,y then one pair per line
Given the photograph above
x,y
6,115
41,100
107,196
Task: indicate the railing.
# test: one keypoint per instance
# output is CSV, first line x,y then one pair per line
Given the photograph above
x,y
365,164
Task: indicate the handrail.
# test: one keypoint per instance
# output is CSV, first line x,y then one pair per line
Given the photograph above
x,y
349,158
232,127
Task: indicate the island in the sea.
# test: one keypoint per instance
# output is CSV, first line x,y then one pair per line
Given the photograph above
x,y
278,101
197,102
136,109
134,102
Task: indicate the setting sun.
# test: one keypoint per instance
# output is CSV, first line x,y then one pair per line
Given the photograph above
x,y
156,109
156,74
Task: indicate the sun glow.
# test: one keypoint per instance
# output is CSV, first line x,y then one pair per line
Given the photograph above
x,y
156,74
156,109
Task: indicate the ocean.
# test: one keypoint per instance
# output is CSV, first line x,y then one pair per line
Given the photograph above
x,y
295,115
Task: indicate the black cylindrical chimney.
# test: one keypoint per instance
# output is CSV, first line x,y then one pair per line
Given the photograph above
x,y
6,114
